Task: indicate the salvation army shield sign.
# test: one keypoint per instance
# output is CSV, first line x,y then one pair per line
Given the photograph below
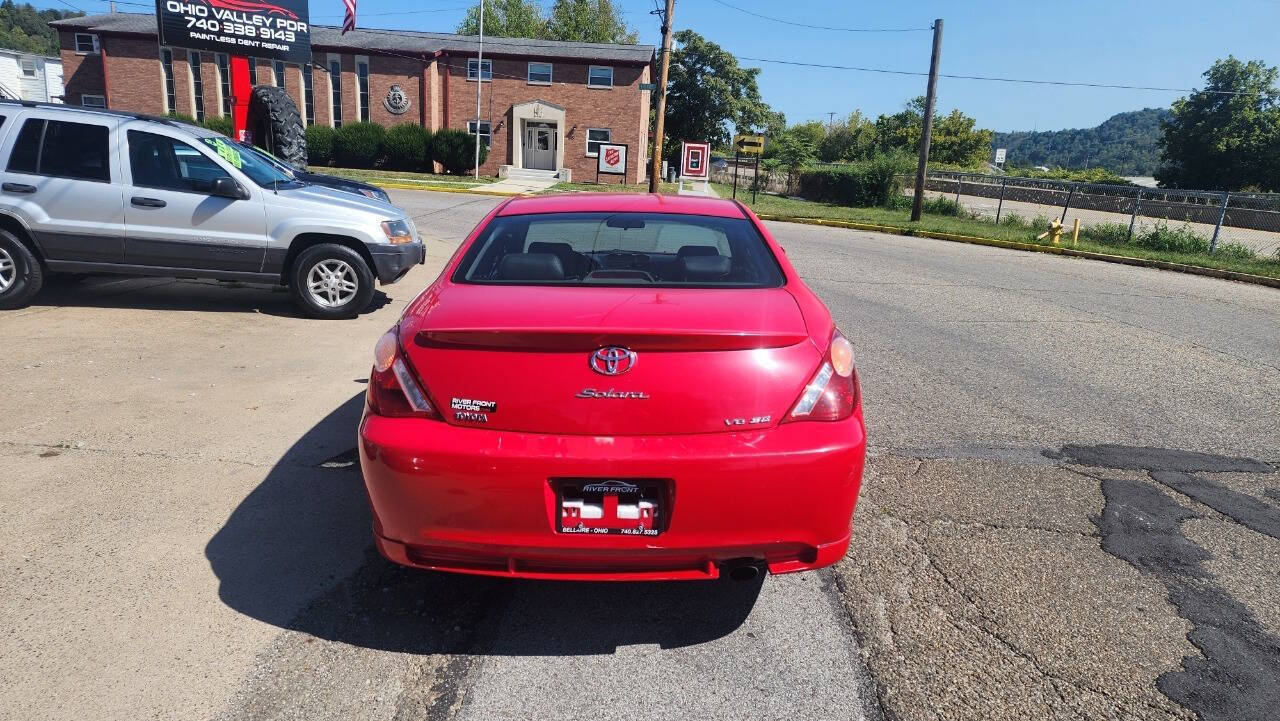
x,y
612,159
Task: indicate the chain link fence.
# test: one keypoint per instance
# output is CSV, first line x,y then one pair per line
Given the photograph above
x,y
1188,220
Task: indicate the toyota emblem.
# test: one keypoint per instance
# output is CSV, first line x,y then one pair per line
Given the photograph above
x,y
613,360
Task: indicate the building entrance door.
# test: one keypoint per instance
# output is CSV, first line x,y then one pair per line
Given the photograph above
x,y
540,146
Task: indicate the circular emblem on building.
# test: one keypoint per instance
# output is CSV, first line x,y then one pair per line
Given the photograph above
x,y
397,101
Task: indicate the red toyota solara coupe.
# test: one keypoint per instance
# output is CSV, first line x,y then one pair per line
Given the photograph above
x,y
614,387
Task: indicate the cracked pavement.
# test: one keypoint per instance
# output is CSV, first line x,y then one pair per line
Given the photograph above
x,y
1070,511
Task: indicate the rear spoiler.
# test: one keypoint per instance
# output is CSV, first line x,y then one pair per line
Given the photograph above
x,y
572,340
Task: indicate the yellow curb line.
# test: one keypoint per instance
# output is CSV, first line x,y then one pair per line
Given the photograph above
x,y
1014,245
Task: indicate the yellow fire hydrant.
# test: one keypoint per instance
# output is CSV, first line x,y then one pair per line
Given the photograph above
x,y
1054,233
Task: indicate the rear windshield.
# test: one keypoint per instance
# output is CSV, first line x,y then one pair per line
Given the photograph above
x,y
632,249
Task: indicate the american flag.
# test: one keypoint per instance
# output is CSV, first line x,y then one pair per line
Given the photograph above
x,y
349,22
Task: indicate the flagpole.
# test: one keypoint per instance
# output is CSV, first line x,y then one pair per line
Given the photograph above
x,y
479,84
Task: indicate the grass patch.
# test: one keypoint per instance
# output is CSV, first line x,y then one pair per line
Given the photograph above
x,y
1167,244
663,188
399,176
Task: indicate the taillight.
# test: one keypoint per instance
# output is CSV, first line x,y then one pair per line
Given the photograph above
x,y
394,391
832,393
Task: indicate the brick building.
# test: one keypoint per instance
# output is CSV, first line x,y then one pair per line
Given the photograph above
x,y
544,104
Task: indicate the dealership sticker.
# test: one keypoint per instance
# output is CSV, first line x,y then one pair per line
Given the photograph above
x,y
228,153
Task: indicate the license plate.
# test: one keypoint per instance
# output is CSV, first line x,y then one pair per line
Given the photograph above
x,y
611,506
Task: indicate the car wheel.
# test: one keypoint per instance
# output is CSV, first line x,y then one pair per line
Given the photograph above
x,y
331,281
20,273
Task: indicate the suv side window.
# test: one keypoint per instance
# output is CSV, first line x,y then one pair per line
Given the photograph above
x,y
158,161
62,149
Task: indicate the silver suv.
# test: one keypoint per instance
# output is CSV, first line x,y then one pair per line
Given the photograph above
x,y
87,191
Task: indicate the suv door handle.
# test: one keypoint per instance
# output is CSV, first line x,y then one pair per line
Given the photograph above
x,y
142,202
17,188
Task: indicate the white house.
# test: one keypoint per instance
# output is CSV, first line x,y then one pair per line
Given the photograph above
x,y
24,76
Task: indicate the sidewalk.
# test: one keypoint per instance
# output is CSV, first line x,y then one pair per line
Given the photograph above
x,y
519,185
696,188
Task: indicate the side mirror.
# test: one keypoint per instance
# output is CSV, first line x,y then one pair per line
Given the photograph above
x,y
228,188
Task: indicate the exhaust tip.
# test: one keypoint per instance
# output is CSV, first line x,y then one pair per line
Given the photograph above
x,y
746,571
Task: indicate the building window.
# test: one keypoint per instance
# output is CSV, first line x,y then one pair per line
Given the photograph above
x,y
486,134
93,101
278,67
253,72
86,43
485,67
308,98
28,67
197,85
166,65
362,85
335,90
539,73
595,136
224,80
600,76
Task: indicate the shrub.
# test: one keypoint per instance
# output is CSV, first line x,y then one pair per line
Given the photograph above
x,y
1108,233
182,118
1040,224
219,125
320,144
1013,220
941,205
899,201
869,183
357,145
1180,240
1237,251
404,147
455,150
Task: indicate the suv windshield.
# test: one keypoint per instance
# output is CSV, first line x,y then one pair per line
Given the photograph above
x,y
256,167
636,249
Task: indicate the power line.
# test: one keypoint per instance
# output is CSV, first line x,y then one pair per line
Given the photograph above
x,y
820,27
989,78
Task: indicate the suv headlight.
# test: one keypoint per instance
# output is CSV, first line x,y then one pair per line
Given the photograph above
x,y
398,231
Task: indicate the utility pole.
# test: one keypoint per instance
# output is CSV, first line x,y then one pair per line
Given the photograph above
x,y
917,204
656,166
479,84
831,120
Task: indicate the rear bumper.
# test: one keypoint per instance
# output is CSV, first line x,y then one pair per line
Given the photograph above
x,y
390,263
471,500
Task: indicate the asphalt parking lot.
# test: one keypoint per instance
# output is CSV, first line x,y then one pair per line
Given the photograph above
x,y
1072,510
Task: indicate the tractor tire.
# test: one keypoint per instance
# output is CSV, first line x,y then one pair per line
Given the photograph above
x,y
276,125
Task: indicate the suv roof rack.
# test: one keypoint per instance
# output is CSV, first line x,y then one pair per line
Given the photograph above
x,y
99,111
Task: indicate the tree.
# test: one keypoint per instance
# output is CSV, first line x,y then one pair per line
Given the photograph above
x,y
506,19
588,21
707,92
1225,136
794,150
27,30
851,139
956,139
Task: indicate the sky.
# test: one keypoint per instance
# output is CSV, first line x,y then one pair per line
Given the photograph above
x,y
1159,43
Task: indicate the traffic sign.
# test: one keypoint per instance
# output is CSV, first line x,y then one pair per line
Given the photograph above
x,y
693,159
1000,155
748,144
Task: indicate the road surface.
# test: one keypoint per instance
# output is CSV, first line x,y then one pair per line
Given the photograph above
x,y
186,535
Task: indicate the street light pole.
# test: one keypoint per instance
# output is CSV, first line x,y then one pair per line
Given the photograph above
x,y
662,97
479,84
917,204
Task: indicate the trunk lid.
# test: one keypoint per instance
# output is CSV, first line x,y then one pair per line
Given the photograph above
x,y
707,360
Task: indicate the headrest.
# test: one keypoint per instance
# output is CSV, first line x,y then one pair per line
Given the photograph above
x,y
687,250
530,266
705,267
542,246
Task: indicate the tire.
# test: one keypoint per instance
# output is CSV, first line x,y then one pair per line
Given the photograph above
x,y
276,125
21,275
317,266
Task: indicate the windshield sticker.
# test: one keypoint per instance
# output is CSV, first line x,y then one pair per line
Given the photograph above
x,y
228,153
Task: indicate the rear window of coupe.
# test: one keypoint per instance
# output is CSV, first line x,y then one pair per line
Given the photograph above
x,y
627,249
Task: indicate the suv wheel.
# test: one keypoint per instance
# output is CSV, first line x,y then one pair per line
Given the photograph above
x,y
20,273
331,281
